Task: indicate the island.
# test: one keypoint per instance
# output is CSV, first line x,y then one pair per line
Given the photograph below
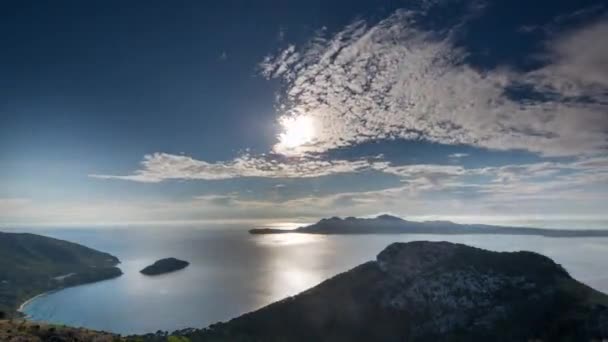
x,y
388,224
32,264
164,266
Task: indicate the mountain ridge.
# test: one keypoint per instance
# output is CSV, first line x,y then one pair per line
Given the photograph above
x,y
388,224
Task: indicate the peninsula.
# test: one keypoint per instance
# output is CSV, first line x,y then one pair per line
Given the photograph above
x,y
32,264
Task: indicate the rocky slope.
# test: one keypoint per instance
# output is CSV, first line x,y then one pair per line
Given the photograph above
x,y
431,291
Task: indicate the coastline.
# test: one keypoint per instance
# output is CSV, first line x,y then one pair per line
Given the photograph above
x,y
59,288
24,304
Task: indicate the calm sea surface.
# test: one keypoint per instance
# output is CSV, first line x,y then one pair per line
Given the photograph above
x,y
232,272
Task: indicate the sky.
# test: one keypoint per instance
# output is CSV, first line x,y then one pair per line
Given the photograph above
x,y
141,112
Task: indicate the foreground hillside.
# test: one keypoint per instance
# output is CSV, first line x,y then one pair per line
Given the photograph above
x,y
32,264
24,331
20,330
431,291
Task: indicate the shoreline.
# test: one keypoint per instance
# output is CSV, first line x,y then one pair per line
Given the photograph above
x,y
24,304
45,293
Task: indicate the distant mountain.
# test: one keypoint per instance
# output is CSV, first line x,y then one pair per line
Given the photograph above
x,y
165,266
430,291
387,224
32,264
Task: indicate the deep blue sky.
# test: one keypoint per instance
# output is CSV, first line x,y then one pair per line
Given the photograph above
x,y
87,89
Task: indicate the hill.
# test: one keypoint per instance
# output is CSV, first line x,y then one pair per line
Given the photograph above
x,y
387,224
431,291
31,264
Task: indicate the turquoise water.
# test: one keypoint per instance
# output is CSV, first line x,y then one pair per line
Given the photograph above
x,y
232,272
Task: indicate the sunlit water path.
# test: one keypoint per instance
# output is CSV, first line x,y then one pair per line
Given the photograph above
x,y
232,272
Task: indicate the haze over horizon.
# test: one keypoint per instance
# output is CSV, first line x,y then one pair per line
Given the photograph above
x,y
148,113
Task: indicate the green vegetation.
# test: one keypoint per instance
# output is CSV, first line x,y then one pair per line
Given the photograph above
x,y
25,331
20,330
32,264
177,339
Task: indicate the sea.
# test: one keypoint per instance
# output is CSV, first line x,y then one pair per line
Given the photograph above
x,y
232,272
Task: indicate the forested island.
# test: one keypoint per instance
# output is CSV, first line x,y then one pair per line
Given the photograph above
x,y
387,224
33,264
164,266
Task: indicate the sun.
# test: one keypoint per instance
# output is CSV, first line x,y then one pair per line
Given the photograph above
x,y
297,131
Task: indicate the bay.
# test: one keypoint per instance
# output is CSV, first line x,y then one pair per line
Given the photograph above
x,y
232,272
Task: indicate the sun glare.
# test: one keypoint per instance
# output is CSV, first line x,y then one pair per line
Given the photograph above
x,y
297,131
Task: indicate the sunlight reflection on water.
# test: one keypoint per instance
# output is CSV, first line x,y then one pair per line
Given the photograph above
x,y
287,239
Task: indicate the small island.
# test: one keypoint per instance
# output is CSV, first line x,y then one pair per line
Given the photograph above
x,y
164,266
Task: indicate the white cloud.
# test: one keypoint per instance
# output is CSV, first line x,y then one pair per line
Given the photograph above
x,y
392,80
577,65
577,187
458,155
12,205
162,166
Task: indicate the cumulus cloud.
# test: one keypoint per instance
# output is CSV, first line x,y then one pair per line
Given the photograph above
x,y
394,80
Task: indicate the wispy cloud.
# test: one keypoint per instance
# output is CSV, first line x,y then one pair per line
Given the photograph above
x,y
539,177
577,187
162,166
458,155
